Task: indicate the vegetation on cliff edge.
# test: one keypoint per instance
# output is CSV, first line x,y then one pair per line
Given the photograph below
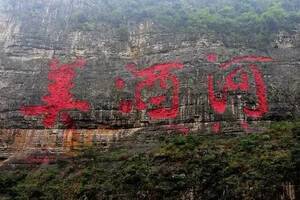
x,y
250,22
217,167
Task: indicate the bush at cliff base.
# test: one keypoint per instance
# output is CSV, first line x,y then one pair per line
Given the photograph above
x,y
257,166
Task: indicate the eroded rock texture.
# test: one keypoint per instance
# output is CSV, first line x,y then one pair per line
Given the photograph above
x,y
29,44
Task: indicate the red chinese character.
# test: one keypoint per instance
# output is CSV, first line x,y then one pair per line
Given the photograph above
x,y
59,97
219,104
180,128
159,72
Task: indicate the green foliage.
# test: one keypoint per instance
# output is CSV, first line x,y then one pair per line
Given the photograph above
x,y
81,21
123,33
250,22
211,167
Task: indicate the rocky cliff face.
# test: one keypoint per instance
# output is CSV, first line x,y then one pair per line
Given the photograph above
x,y
121,90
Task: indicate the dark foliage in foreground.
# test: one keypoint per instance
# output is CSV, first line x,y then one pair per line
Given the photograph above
x,y
218,167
